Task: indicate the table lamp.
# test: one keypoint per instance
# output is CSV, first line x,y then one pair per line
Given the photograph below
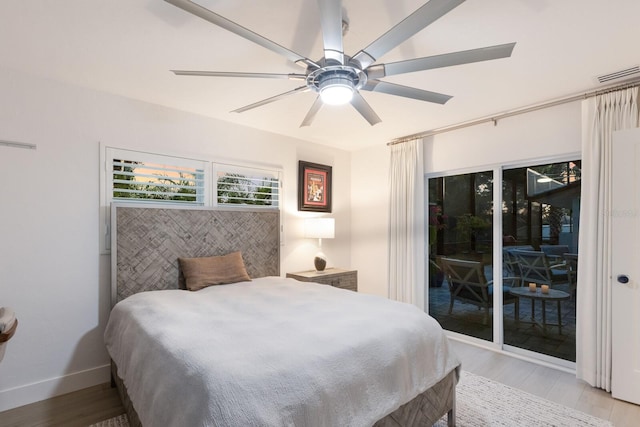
x,y
319,228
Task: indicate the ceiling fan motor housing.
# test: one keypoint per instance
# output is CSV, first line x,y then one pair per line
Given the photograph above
x,y
335,82
345,75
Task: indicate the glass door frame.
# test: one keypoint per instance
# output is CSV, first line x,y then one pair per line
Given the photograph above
x,y
498,313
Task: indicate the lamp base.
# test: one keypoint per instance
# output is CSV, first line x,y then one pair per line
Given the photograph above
x,y
320,261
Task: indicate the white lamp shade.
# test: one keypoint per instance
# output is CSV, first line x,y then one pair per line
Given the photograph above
x,y
319,228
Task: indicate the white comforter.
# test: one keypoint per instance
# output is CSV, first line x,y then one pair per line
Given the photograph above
x,y
272,352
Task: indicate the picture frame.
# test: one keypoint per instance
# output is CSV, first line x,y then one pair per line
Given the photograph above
x,y
314,187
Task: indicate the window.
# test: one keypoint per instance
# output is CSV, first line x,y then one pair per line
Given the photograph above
x,y
137,176
460,221
254,187
538,220
140,177
149,181
540,227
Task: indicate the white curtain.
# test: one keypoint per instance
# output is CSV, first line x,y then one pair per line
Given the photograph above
x,y
406,224
601,115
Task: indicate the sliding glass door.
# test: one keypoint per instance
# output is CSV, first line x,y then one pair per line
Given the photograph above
x,y
460,246
540,225
534,293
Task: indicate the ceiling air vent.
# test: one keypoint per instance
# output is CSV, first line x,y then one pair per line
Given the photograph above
x,y
622,74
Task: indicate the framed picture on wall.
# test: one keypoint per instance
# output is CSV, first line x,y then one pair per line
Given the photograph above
x,y
314,187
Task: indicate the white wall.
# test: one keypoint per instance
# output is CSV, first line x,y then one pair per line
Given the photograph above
x,y
538,135
51,270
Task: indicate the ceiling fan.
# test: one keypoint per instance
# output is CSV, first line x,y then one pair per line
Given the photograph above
x,y
339,78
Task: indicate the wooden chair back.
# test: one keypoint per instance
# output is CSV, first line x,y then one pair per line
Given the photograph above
x,y
535,268
466,278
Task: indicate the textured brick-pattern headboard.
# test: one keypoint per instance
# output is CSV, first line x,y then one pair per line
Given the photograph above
x,y
147,242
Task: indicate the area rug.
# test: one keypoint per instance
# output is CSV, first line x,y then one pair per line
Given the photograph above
x,y
119,421
482,402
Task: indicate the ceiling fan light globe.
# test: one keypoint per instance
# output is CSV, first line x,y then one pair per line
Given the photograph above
x,y
336,95
336,90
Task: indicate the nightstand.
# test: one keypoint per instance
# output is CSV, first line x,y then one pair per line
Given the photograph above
x,y
345,279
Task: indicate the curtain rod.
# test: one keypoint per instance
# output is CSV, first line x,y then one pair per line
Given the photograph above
x,y
494,118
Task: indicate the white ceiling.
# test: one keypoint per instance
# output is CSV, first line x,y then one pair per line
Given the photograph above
x,y
127,47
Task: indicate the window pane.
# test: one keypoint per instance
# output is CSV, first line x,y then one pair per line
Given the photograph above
x,y
540,226
247,186
541,207
460,260
149,181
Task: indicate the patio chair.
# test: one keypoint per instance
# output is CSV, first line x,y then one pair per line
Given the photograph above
x,y
535,268
468,284
510,263
554,252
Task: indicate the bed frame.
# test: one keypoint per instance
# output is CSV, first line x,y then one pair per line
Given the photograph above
x,y
146,243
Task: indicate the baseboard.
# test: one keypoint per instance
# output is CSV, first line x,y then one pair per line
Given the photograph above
x,y
35,392
517,353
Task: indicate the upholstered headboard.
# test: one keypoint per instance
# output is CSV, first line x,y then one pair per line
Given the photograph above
x,y
146,243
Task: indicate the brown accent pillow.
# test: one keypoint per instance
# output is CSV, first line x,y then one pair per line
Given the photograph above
x,y
215,270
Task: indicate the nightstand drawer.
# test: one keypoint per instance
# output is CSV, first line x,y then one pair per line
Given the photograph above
x,y
344,279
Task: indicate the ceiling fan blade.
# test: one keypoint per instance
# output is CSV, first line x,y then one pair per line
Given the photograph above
x,y
331,22
405,91
306,28
272,99
291,76
364,109
418,20
238,29
308,119
439,61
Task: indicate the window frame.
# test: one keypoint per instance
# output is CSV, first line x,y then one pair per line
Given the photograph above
x,y
209,193
498,315
241,169
155,159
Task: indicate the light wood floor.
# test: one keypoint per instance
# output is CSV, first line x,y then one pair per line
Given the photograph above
x,y
78,409
548,383
85,407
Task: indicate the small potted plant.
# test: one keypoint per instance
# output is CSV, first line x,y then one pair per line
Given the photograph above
x,y
467,226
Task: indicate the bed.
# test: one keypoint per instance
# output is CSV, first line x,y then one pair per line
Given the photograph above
x,y
266,351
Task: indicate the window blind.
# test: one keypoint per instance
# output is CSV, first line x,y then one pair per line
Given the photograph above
x,y
237,185
153,178
142,177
